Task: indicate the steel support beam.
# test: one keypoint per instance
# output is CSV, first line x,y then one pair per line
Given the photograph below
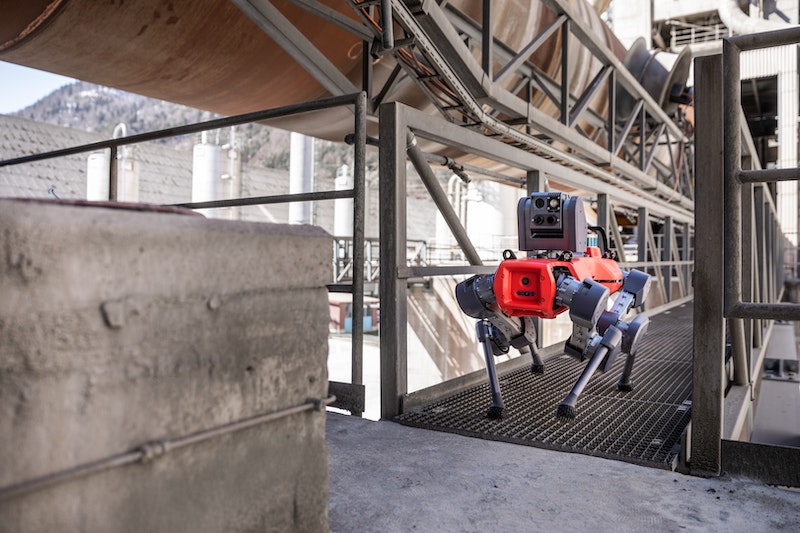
x,y
487,43
588,95
709,324
565,73
522,56
359,208
439,197
267,17
451,59
334,17
667,236
592,41
437,130
392,203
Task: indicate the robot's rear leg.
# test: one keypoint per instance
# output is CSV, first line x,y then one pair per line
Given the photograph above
x,y
625,384
634,332
484,336
529,345
537,364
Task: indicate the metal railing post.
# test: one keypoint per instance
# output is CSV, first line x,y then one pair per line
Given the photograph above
x,y
359,199
113,174
686,255
732,187
666,256
392,193
709,324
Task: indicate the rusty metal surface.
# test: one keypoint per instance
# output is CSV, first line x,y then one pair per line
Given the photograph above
x,y
204,54
211,56
642,427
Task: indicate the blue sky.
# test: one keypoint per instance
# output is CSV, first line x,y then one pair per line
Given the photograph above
x,y
22,86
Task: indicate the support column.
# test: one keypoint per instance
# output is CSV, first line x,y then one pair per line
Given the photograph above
x,y
666,255
686,255
709,324
394,303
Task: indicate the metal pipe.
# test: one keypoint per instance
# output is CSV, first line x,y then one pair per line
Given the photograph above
x,y
113,174
256,116
565,72
755,41
387,25
769,175
264,200
739,22
359,201
487,43
768,311
154,449
440,199
732,107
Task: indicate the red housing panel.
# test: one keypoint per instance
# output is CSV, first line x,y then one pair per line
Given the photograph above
x,y
528,286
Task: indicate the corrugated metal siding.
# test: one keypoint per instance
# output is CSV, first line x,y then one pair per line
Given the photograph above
x,y
768,62
781,62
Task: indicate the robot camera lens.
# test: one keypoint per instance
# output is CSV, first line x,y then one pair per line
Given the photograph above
x,y
539,203
551,219
538,220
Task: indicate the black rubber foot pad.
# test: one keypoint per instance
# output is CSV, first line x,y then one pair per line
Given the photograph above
x,y
565,411
495,413
625,387
537,369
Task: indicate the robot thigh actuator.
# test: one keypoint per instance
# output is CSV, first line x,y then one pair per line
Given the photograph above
x,y
560,278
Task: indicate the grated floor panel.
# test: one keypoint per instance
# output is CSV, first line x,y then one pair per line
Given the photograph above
x,y
643,426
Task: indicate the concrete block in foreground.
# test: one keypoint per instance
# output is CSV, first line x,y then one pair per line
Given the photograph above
x,y
120,328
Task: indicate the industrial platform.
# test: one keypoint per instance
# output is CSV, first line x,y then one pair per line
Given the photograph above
x,y
643,426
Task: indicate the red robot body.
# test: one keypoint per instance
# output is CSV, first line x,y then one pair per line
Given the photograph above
x,y
553,225
527,287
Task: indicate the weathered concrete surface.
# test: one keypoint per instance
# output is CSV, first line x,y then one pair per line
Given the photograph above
x,y
388,478
119,327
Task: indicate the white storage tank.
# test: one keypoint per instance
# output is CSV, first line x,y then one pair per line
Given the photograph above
x,y
97,176
216,172
343,207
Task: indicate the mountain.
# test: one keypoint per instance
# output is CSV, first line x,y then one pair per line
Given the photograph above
x,y
99,109
94,108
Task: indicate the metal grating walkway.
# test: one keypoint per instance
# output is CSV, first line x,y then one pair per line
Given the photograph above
x,y
642,427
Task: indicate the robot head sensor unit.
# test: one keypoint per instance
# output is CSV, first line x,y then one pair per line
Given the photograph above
x,y
551,221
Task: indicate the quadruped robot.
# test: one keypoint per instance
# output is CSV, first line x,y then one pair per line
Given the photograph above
x,y
557,278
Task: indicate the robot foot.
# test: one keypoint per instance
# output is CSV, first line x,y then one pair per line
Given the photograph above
x,y
537,369
495,412
567,408
565,411
624,386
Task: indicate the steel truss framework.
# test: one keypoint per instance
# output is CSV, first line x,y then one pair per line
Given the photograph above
x,y
435,45
609,159
400,127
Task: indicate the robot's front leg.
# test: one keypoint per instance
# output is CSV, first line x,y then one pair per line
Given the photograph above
x,y
525,342
484,330
605,348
